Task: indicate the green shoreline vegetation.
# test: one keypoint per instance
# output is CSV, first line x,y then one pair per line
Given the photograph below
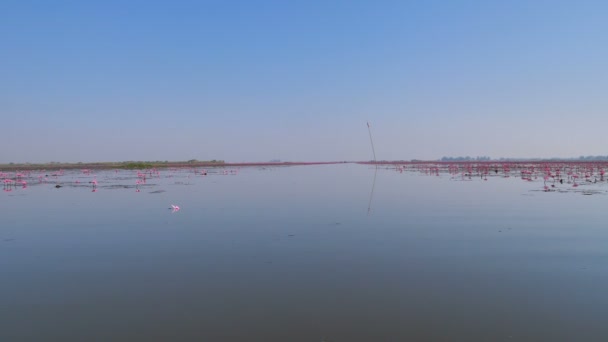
x,y
140,165
129,165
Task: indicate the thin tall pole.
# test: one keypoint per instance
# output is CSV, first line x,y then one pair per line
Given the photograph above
x,y
371,141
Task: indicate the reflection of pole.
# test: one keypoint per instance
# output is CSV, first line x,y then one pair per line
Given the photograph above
x,y
371,141
371,194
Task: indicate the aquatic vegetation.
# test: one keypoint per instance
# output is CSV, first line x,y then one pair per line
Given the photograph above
x,y
554,175
137,165
114,179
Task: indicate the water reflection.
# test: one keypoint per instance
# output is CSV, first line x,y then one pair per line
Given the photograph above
x,y
371,193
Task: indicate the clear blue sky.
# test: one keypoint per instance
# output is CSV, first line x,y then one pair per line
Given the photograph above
x,y
297,80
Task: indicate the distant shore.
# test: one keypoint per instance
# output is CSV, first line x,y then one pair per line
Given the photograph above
x,y
148,165
139,165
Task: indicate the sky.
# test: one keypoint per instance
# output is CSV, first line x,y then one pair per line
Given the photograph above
x,y
84,81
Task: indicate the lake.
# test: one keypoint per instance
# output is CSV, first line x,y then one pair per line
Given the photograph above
x,y
343,252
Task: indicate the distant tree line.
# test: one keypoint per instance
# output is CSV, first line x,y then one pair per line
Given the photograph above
x,y
467,158
593,158
486,158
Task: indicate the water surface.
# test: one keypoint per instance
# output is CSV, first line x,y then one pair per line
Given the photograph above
x,y
302,254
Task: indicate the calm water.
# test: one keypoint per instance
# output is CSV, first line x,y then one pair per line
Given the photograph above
x,y
302,254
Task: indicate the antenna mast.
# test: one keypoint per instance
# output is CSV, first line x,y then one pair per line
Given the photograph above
x,y
371,141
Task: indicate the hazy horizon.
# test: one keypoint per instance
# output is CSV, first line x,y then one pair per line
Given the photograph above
x,y
250,81
451,160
